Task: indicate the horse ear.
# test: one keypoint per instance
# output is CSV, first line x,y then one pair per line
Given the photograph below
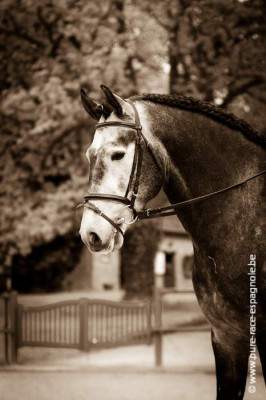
x,y
113,100
93,108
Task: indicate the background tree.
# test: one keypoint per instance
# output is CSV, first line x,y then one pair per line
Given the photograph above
x,y
137,256
216,52
49,49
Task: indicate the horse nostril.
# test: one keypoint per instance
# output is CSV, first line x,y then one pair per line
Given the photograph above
x,y
94,239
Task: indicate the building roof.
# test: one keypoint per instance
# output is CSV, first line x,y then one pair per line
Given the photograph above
x,y
168,224
172,225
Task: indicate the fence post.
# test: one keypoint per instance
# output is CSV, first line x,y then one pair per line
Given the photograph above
x,y
158,326
149,320
19,325
6,327
13,326
83,324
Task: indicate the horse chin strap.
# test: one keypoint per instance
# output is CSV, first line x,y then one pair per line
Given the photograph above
x,y
134,180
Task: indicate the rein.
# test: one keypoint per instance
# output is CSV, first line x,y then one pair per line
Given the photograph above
x,y
134,180
164,211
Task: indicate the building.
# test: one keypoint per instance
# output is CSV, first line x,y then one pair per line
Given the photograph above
x,y
176,246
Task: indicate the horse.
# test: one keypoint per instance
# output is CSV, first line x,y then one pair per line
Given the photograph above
x,y
211,166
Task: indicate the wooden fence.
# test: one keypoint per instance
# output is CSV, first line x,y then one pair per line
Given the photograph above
x,y
85,324
80,324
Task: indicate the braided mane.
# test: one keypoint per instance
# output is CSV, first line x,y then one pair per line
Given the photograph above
x,y
207,109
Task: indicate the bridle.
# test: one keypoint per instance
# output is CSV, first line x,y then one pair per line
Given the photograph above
x,y
134,181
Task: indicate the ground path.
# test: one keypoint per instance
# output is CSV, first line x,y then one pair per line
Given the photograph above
x,y
116,385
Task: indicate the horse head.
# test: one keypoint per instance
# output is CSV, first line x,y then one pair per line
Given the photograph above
x,y
122,176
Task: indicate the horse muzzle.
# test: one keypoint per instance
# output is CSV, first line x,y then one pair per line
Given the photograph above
x,y
99,235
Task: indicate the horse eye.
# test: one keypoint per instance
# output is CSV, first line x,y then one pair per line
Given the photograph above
x,y
118,155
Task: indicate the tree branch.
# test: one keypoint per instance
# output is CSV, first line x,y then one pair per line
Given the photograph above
x,y
17,32
240,89
60,138
50,30
257,96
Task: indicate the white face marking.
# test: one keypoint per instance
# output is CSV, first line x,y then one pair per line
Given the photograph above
x,y
116,171
98,139
119,171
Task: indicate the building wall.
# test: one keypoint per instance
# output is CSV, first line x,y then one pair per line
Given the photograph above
x,y
106,271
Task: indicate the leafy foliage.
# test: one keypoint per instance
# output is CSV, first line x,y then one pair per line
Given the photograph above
x,y
216,52
49,50
49,264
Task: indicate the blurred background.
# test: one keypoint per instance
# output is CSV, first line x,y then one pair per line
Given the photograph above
x,y
212,50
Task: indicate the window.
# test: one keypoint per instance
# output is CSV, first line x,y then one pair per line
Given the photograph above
x,y
169,278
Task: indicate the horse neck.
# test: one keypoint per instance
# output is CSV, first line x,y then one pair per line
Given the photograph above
x,y
203,156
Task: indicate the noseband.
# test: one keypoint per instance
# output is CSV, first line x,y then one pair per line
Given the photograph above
x,y
134,180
